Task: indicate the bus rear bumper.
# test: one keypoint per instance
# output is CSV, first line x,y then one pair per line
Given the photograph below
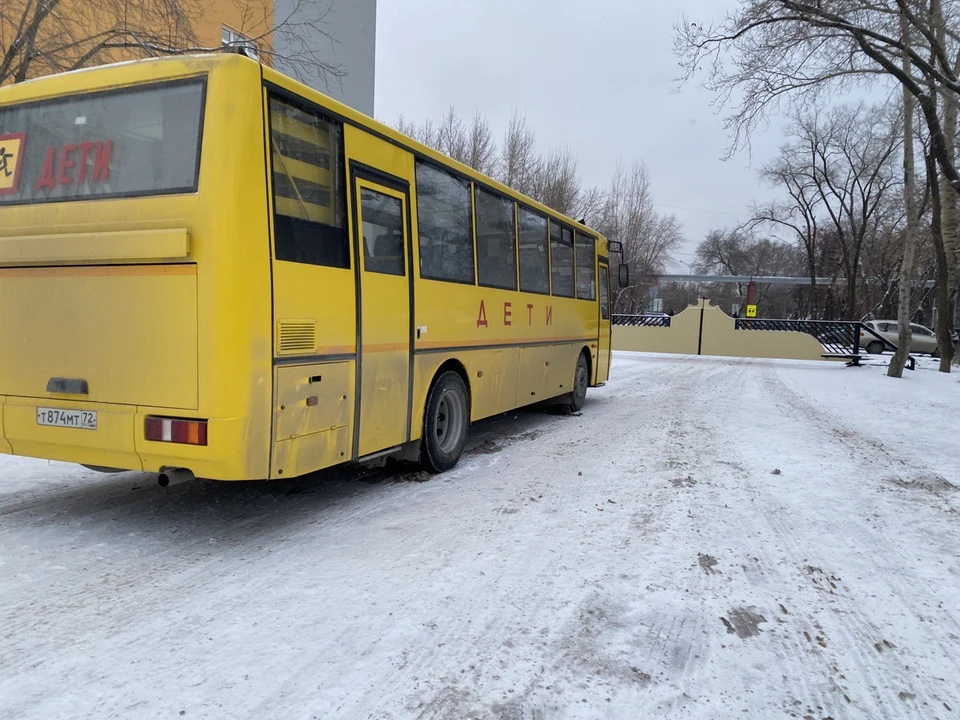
x,y
109,445
118,441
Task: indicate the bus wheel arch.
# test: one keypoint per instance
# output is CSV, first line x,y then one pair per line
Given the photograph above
x,y
446,417
456,366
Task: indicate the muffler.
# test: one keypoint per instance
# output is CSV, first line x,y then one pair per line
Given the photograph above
x,y
174,476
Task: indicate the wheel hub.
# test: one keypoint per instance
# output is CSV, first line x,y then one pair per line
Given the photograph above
x,y
449,421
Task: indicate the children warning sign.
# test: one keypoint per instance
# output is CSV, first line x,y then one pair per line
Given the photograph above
x,y
11,157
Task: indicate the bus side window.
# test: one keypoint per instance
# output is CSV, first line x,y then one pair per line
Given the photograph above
x,y
445,227
382,233
308,193
496,244
534,260
586,268
561,259
604,294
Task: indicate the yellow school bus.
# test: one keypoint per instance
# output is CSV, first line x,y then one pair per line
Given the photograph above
x,y
207,267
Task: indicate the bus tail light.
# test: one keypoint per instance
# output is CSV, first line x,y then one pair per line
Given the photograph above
x,y
186,432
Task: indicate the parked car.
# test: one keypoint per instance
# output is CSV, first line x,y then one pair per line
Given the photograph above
x,y
924,340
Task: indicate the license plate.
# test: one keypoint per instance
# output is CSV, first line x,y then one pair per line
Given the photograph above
x,y
81,419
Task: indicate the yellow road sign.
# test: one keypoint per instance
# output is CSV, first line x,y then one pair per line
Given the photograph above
x,y
751,310
11,153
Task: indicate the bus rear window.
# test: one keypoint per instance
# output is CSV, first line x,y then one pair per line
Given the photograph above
x,y
122,143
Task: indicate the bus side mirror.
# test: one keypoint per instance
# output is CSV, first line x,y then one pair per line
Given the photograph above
x,y
624,275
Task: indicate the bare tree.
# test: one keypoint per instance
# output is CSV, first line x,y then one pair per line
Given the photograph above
x,y
724,252
739,252
837,168
452,136
945,206
557,182
40,37
589,207
481,148
553,179
302,32
425,132
519,162
904,307
625,212
648,237
407,127
853,174
770,51
798,215
881,259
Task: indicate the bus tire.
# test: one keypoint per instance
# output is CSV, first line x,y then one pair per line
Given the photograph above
x,y
445,423
581,378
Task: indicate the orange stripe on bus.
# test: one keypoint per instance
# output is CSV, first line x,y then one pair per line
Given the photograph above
x,y
499,342
100,271
385,347
396,347
337,350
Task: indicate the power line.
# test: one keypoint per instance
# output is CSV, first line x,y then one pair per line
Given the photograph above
x,y
681,207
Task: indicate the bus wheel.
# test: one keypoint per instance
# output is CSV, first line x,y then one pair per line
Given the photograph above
x,y
445,423
581,379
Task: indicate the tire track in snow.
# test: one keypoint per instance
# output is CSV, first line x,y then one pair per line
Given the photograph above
x,y
676,642
559,632
782,549
673,638
888,687
808,606
739,488
448,698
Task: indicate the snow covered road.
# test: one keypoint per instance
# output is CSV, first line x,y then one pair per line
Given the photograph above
x,y
711,538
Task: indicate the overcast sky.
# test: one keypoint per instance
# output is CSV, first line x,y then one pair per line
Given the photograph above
x,y
596,76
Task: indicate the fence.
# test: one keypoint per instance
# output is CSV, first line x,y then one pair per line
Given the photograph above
x,y
642,320
704,329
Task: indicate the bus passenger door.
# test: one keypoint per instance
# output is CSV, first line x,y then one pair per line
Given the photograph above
x,y
383,321
603,351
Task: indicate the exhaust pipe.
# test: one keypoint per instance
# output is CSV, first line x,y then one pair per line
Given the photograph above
x,y
174,476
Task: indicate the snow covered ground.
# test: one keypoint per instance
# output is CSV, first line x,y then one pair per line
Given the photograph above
x,y
711,538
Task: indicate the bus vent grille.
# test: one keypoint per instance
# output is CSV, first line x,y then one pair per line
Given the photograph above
x,y
297,337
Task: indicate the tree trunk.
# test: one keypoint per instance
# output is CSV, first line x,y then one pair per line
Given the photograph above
x,y
850,311
946,297
948,224
946,238
904,336
944,281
